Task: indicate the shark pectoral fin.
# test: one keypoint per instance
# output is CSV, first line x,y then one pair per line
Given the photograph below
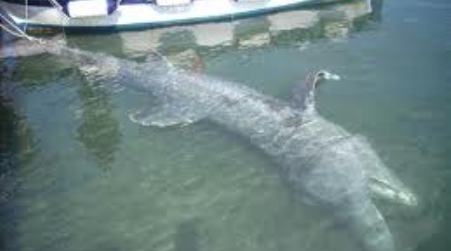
x,y
166,115
157,58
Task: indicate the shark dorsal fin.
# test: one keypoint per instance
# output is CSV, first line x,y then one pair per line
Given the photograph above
x,y
301,92
304,95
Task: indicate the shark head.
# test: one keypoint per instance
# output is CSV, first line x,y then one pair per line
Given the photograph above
x,y
337,182
382,182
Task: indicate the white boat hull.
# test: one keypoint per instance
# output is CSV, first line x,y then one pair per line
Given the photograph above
x,y
135,16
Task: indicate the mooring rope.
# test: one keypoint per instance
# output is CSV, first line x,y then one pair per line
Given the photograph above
x,y
14,29
58,6
26,16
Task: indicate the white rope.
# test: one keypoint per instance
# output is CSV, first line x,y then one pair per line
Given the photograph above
x,y
26,17
14,30
63,16
58,6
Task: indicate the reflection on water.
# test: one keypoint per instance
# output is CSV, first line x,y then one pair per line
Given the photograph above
x,y
18,147
98,130
187,236
285,28
8,143
200,188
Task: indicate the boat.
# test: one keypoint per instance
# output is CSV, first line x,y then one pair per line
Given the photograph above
x,y
98,15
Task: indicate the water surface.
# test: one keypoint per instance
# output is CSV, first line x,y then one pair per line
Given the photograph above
x,y
77,174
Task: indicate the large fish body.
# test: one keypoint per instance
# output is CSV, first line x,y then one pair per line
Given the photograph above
x,y
322,161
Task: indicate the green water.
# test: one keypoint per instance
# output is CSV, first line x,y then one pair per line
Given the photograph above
x,y
77,174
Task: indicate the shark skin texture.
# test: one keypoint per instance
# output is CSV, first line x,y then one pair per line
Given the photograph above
x,y
337,170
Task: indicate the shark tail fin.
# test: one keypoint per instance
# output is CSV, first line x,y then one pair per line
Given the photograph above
x,y
20,47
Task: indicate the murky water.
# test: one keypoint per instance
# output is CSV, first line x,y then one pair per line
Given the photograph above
x,y
77,174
